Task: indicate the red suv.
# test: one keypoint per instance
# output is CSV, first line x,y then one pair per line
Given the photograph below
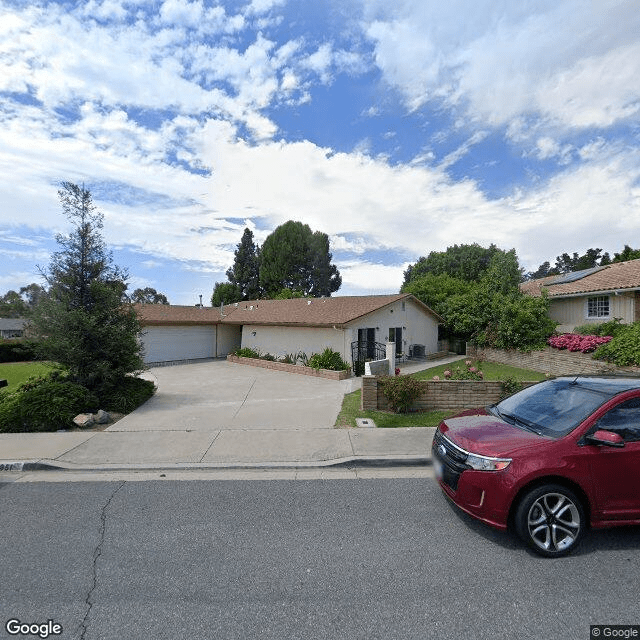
x,y
550,460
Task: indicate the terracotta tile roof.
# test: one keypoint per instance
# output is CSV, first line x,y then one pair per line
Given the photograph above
x,y
619,276
311,312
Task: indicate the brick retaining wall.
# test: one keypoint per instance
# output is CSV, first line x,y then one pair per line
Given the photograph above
x,y
445,394
555,362
291,368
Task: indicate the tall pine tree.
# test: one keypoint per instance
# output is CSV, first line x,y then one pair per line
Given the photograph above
x,y
244,272
85,322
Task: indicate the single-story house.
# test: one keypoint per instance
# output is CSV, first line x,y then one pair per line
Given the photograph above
x,y
592,295
280,327
12,327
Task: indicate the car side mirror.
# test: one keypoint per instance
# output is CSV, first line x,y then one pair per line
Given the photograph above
x,y
606,438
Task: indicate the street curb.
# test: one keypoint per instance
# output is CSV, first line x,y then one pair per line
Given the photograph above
x,y
349,462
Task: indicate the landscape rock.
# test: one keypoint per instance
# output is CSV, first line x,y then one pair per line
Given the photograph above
x,y
84,420
102,417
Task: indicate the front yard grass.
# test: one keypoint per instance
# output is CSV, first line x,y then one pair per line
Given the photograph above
x,y
491,371
16,373
385,419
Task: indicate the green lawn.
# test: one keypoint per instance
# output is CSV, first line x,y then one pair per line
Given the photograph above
x,y
351,410
491,370
17,372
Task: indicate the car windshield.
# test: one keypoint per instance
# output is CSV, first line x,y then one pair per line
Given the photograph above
x,y
552,408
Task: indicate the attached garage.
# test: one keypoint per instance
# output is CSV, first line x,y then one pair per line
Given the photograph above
x,y
175,333
166,344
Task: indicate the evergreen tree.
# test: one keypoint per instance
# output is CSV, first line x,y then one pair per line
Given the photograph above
x,y
12,305
244,274
85,322
626,254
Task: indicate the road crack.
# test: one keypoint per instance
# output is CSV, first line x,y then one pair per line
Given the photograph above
x,y
96,555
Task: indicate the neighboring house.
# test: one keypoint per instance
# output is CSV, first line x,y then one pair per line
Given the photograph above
x,y
592,295
282,327
12,327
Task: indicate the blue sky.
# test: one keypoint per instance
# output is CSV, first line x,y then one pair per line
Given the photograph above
x,y
397,128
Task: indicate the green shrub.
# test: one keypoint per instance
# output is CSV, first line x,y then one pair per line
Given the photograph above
x,y
47,406
609,328
18,350
401,391
246,352
127,394
510,385
328,359
624,349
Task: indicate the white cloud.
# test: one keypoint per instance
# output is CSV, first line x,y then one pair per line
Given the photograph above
x,y
574,63
366,278
181,12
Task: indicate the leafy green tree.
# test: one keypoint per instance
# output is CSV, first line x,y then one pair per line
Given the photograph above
x,y
293,257
465,262
85,322
148,295
434,290
244,273
225,293
494,312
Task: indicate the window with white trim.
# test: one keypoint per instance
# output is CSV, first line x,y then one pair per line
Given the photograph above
x,y
598,307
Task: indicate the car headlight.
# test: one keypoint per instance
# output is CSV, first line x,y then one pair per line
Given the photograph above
x,y
484,463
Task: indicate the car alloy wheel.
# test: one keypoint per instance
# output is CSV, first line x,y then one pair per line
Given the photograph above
x,y
551,520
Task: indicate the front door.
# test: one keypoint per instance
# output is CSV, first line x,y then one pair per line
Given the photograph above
x,y
395,335
367,342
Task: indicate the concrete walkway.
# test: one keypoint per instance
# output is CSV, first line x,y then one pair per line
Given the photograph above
x,y
218,415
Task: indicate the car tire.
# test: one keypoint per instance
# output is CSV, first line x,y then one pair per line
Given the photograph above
x,y
551,520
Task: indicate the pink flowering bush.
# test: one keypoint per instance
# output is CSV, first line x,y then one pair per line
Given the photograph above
x,y
436,378
397,371
468,373
575,342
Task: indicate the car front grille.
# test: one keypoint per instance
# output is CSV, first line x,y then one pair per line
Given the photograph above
x,y
452,458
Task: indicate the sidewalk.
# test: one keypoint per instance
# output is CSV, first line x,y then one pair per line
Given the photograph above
x,y
224,449
281,442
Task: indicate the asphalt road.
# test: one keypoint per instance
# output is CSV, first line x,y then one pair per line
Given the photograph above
x,y
379,558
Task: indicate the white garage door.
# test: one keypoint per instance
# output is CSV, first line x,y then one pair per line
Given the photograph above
x,y
164,344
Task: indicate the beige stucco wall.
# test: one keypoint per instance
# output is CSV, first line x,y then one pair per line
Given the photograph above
x,y
229,337
418,327
572,312
279,341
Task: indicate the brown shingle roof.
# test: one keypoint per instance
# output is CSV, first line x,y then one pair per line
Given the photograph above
x,y
310,312
619,276
164,314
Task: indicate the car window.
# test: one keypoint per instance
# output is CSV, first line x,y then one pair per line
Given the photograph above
x,y
624,419
555,407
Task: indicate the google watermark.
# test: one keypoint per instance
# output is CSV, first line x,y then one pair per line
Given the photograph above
x,y
615,631
40,629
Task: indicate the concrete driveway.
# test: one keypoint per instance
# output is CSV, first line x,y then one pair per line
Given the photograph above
x,y
216,395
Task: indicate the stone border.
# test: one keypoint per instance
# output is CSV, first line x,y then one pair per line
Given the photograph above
x,y
291,368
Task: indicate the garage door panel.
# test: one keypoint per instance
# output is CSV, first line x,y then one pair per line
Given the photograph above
x,y
163,344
